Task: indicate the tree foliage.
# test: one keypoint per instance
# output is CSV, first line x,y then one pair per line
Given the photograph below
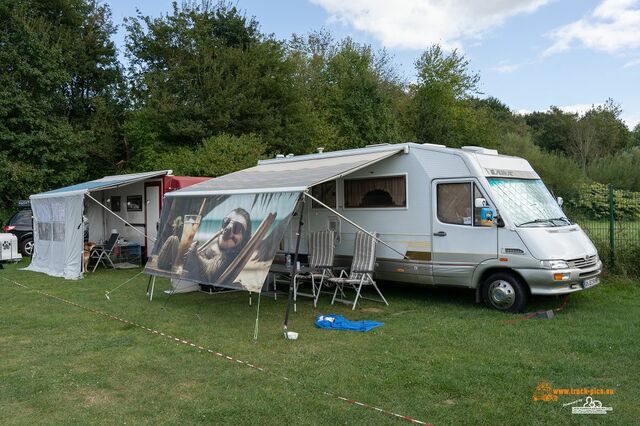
x,y
206,92
205,69
56,62
352,90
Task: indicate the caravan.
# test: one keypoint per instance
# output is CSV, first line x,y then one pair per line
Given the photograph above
x,y
458,217
465,217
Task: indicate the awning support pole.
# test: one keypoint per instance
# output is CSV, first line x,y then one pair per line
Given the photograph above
x,y
294,266
354,224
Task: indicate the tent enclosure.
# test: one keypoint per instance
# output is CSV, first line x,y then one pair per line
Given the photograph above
x,y
227,231
64,217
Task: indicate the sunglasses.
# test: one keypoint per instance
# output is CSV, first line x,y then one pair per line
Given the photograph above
x,y
237,227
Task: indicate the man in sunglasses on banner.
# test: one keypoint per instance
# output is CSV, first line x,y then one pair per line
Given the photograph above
x,y
205,262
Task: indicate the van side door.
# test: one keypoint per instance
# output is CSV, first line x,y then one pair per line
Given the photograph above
x,y
460,238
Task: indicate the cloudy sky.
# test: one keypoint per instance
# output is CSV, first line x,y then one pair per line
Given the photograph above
x,y
531,54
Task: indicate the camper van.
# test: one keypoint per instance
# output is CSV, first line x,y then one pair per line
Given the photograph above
x,y
466,217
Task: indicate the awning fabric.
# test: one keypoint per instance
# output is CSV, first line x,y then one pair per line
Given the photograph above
x,y
106,182
58,226
289,174
226,231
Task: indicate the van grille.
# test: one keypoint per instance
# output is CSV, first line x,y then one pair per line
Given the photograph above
x,y
583,263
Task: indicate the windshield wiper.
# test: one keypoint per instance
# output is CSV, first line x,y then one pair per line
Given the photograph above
x,y
563,218
536,221
550,220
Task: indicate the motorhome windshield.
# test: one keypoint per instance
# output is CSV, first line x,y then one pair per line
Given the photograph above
x,y
528,202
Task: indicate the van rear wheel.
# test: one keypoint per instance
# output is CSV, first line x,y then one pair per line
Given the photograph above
x,y
505,292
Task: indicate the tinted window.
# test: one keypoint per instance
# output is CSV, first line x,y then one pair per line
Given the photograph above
x,y
22,218
376,192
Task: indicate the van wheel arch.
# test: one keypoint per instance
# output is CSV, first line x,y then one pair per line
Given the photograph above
x,y
503,282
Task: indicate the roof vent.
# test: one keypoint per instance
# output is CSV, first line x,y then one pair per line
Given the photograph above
x,y
480,150
289,155
320,150
280,156
437,145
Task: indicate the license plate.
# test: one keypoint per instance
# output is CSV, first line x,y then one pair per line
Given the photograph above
x,y
590,282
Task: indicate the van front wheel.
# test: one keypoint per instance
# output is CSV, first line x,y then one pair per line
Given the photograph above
x,y
505,292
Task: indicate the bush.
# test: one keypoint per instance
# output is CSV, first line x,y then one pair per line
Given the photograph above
x,y
592,202
620,169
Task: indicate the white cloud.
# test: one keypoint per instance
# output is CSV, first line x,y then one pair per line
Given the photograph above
x,y
631,119
632,63
579,109
612,27
505,68
417,24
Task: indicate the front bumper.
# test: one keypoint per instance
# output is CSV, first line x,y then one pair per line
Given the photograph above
x,y
541,281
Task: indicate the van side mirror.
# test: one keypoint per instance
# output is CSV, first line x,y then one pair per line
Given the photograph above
x,y
560,201
479,203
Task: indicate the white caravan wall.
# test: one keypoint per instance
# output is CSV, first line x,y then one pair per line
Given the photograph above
x,y
152,212
133,217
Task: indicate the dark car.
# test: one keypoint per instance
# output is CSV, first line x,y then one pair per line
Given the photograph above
x,y
21,225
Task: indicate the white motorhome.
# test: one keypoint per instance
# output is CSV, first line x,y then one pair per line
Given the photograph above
x,y
465,217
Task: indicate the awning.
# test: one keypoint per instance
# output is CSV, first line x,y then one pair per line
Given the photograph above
x,y
107,182
294,174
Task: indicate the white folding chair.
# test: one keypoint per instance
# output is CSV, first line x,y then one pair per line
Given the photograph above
x,y
321,253
361,274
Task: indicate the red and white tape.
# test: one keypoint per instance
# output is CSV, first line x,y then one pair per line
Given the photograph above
x,y
221,355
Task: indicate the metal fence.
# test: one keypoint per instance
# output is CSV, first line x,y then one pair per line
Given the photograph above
x,y
611,218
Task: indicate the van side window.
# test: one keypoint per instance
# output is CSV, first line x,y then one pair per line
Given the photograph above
x,y
477,218
390,191
454,203
326,193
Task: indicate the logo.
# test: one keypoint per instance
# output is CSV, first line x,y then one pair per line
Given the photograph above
x,y
543,392
500,172
591,406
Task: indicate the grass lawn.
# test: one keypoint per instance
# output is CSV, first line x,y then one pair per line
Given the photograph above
x,y
439,357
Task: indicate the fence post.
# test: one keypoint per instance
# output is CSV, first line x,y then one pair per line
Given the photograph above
x,y
612,219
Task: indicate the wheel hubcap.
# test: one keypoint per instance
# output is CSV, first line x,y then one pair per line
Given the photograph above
x,y
502,294
28,248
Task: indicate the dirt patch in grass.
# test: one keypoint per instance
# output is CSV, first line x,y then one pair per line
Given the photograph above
x,y
97,397
373,310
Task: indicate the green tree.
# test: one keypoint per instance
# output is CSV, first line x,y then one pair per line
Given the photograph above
x,y
353,90
635,136
205,69
240,152
56,66
442,109
552,129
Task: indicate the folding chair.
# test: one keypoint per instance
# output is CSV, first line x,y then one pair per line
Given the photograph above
x,y
364,259
321,252
105,252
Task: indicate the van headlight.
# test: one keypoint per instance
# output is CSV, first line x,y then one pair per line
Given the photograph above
x,y
554,264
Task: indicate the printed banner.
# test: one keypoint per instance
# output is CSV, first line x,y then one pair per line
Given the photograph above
x,y
221,240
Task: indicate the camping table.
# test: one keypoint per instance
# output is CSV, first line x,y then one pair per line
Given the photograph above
x,y
129,252
282,273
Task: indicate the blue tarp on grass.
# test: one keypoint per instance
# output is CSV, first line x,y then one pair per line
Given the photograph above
x,y
337,322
